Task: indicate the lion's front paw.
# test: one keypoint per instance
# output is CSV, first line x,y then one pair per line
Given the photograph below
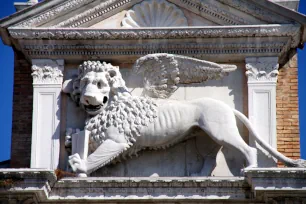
x,y
77,164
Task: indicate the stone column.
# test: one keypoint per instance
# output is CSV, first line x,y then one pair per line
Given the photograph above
x,y
262,78
47,83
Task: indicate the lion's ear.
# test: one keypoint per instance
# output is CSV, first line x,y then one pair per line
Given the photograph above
x,y
112,73
68,86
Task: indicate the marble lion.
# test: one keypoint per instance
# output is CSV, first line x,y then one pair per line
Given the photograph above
x,y
120,124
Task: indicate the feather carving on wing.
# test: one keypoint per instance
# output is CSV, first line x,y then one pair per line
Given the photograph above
x,y
163,72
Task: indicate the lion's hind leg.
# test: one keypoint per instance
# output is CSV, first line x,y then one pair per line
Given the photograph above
x,y
103,155
227,134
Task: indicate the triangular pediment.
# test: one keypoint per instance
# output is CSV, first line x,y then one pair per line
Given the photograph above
x,y
147,13
224,30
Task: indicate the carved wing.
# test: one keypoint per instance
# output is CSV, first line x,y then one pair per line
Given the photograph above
x,y
163,72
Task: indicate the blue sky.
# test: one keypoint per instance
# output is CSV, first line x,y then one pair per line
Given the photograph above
x,y
6,87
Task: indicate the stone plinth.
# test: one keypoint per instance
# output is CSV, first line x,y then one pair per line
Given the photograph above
x,y
259,185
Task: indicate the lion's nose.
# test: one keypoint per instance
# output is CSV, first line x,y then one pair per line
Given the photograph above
x,y
90,100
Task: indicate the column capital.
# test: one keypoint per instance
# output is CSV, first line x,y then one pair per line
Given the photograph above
x,y
47,71
262,69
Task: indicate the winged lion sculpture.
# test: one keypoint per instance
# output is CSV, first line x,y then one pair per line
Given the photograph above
x,y
120,123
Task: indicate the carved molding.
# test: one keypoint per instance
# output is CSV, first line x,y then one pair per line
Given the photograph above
x,y
163,188
277,184
107,8
52,13
28,174
104,9
256,11
212,12
274,184
143,49
158,33
154,13
149,46
299,173
262,69
47,71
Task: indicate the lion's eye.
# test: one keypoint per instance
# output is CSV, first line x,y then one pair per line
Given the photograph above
x,y
99,85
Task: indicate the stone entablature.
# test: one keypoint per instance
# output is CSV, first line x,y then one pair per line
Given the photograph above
x,y
238,29
260,185
214,43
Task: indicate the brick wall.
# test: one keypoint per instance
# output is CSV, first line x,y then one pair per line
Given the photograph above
x,y
288,137
22,113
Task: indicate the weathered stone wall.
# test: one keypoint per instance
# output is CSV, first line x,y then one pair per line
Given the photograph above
x,y
288,137
22,113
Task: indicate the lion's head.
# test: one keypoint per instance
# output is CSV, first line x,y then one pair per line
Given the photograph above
x,y
95,85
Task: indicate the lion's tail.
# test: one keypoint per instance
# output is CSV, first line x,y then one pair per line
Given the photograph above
x,y
287,161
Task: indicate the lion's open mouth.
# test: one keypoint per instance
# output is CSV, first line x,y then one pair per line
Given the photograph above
x,y
92,107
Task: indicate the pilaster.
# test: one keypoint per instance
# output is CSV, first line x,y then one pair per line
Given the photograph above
x,y
47,83
262,77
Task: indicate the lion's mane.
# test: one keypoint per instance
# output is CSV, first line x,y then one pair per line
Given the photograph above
x,y
128,114
115,79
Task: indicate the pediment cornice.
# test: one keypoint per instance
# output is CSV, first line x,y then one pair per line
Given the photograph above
x,y
276,30
101,11
43,34
221,12
218,43
247,6
52,13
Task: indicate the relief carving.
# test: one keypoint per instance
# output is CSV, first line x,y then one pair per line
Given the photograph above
x,y
47,71
262,69
120,124
288,30
154,13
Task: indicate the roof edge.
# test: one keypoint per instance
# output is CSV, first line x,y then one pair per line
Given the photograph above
x,y
25,13
284,11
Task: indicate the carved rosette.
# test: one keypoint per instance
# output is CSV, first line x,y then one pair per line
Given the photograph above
x,y
262,69
47,71
154,13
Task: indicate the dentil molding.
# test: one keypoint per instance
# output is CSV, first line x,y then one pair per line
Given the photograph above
x,y
47,71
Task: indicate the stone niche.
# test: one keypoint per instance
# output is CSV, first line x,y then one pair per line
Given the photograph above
x,y
188,157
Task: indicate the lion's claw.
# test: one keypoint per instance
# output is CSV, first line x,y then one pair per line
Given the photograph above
x,y
77,164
